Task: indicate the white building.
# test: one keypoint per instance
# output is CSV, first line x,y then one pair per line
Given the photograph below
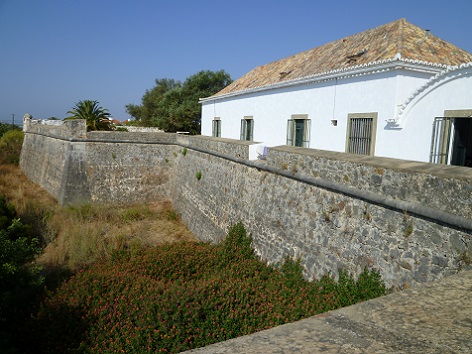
x,y
393,91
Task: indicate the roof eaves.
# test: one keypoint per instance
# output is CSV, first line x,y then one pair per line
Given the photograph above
x,y
353,71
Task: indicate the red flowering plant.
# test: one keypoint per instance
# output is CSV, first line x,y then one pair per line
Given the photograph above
x,y
186,295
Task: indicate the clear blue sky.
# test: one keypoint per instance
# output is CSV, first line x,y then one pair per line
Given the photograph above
x,y
54,53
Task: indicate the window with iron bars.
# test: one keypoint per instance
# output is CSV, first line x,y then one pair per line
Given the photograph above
x,y
361,132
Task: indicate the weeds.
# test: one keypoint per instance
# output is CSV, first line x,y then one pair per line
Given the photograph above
x,y
326,216
408,229
184,295
81,235
464,260
134,213
171,214
366,215
78,235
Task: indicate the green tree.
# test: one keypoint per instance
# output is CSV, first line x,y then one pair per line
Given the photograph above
x,y
152,103
174,106
97,118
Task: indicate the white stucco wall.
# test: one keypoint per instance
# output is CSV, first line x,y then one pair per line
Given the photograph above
x,y
449,91
322,102
382,92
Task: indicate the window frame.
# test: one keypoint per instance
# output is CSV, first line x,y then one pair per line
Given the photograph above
x,y
373,133
216,127
247,120
444,134
291,130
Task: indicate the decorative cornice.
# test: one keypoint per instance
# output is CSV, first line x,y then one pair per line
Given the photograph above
x,y
353,71
450,72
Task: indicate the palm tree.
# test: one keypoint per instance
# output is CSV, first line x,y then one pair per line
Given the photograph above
x,y
97,118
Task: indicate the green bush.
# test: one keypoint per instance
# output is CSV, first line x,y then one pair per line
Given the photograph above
x,y
185,295
7,213
292,271
19,281
236,247
10,146
4,127
121,129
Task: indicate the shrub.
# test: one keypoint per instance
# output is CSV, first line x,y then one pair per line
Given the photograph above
x,y
4,127
7,213
292,271
185,295
121,129
10,145
236,246
19,280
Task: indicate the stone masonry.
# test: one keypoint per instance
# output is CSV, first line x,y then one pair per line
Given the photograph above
x,y
411,221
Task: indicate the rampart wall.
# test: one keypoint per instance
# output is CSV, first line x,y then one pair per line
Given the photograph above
x,y
411,221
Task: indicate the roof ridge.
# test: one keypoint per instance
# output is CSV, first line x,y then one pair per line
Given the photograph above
x,y
401,31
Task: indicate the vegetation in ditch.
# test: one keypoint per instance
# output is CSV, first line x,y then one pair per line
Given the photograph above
x,y
185,295
20,280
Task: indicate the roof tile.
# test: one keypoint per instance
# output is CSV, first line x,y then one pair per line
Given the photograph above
x,y
377,44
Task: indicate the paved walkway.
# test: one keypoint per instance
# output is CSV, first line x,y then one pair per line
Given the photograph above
x,y
429,318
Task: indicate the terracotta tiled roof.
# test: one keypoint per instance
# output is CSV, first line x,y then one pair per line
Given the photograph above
x,y
399,39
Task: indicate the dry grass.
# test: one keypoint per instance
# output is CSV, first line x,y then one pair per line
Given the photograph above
x,y
22,193
77,236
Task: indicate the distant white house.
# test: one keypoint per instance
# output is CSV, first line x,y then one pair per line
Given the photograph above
x,y
393,91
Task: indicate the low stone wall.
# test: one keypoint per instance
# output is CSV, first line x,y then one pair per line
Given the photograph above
x,y
411,221
226,147
326,228
131,137
439,187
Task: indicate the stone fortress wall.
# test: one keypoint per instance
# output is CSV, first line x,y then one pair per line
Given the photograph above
x,y
412,221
